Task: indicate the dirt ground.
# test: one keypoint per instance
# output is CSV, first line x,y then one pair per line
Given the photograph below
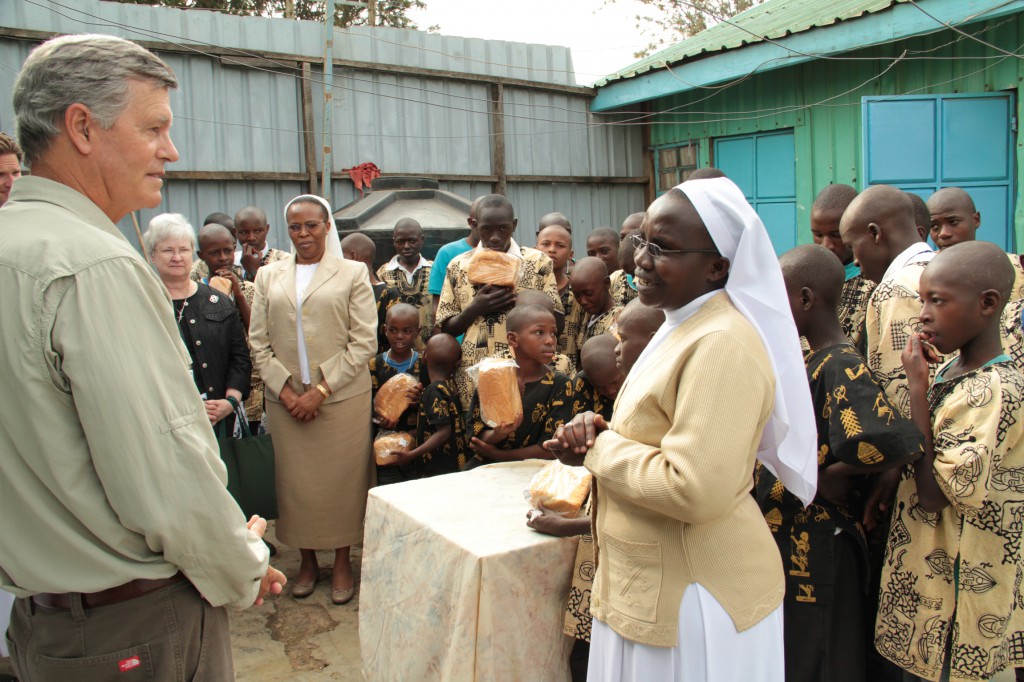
x,y
286,639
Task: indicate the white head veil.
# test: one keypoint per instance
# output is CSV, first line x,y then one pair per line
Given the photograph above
x,y
333,240
788,445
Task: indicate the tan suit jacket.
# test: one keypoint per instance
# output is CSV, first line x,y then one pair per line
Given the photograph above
x,y
339,320
673,473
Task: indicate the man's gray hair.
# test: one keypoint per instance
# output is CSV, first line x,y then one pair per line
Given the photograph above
x,y
168,226
93,70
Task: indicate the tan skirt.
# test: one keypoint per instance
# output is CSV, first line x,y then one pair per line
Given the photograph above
x,y
324,470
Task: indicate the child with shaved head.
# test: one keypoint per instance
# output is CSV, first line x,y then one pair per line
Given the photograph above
x,y
880,230
359,247
603,243
951,601
440,427
554,239
826,213
252,228
408,272
623,288
591,289
597,384
546,393
859,432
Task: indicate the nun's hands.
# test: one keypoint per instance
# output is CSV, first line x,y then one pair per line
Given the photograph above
x,y
574,439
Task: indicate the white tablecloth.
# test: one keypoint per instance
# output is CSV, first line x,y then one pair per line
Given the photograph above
x,y
456,587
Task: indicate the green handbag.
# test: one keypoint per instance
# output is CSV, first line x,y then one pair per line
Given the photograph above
x,y
250,464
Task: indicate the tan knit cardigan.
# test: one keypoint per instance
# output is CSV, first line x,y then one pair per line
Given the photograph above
x,y
673,477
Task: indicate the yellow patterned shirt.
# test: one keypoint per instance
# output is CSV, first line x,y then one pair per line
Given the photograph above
x,y
487,335
892,316
620,288
416,293
597,325
567,342
957,574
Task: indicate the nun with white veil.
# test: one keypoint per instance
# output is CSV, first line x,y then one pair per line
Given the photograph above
x,y
689,582
312,334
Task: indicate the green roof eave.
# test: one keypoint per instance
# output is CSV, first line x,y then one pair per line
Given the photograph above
x,y
899,21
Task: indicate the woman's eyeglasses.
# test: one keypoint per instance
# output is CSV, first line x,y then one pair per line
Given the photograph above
x,y
657,253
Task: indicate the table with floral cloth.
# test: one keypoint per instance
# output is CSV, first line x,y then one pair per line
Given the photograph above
x,y
456,587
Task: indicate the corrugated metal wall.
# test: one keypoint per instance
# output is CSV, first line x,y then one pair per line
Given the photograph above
x,y
821,101
234,117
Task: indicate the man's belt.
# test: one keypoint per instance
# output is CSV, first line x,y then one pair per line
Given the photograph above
x,y
114,595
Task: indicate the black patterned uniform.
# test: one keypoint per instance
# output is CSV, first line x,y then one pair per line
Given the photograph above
x,y
823,547
416,293
585,398
385,297
440,407
853,304
951,581
547,404
380,372
621,288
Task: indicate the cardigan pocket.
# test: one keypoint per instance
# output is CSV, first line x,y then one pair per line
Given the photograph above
x,y
634,572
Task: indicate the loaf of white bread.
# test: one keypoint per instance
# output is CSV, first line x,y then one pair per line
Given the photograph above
x,y
493,267
560,488
388,442
498,390
391,399
221,284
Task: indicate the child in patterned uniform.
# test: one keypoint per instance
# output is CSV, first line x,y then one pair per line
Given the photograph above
x,y
402,328
360,248
408,272
555,241
478,312
597,384
951,603
440,428
603,243
826,213
590,287
546,393
823,546
623,288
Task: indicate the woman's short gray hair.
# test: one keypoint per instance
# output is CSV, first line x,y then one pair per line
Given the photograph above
x,y
168,226
93,70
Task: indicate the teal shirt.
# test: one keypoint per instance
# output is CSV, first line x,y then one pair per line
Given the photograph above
x,y
852,270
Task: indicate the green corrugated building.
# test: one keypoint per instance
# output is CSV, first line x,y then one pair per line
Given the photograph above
x,y
792,95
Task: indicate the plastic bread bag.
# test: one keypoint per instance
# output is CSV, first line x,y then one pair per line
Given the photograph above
x,y
497,386
562,489
388,442
391,400
494,267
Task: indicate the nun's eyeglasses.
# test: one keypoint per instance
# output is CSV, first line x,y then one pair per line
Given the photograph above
x,y
657,253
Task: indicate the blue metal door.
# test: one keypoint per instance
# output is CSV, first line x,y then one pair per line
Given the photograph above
x,y
764,167
922,143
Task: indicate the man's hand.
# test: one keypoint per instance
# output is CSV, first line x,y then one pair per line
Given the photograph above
x,y
492,299
257,524
251,259
217,409
272,583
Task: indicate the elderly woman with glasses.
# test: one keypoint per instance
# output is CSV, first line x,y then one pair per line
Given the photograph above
x,y
313,332
207,321
687,571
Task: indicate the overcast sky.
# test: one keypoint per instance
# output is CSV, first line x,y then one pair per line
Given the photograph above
x,y
602,34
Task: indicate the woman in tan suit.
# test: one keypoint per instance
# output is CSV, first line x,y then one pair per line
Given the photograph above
x,y
312,333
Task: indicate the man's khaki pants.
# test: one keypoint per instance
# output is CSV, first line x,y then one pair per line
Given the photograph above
x,y
171,634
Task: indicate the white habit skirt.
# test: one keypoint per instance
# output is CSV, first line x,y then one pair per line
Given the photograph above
x,y
709,648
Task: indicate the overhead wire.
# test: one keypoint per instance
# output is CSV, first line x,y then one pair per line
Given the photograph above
x,y
574,126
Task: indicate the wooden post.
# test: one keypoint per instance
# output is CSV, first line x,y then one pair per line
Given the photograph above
x,y
651,189
498,137
371,13
138,233
328,99
309,134
289,9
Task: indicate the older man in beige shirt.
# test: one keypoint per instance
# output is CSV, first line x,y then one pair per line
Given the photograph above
x,y
122,542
